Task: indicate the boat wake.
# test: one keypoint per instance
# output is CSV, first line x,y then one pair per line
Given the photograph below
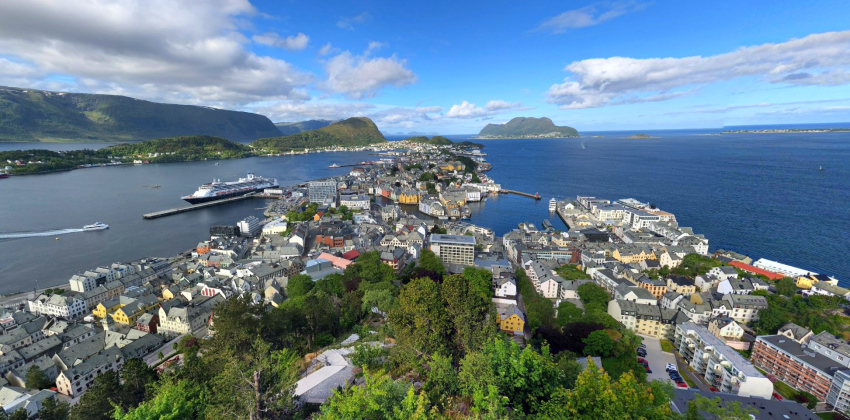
x,y
20,235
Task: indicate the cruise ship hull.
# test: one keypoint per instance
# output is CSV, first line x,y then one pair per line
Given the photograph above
x,y
199,200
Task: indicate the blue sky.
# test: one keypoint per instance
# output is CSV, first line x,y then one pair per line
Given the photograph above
x,y
448,67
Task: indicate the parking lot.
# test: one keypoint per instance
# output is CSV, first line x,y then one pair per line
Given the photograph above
x,y
657,359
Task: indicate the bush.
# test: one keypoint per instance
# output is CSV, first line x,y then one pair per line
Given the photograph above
x,y
368,356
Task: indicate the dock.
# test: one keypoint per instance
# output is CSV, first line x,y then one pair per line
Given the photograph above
x,y
169,212
535,196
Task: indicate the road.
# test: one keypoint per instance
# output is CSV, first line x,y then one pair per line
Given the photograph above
x,y
167,349
684,370
23,297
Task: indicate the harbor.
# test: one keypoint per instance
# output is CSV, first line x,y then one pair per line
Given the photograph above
x,y
178,210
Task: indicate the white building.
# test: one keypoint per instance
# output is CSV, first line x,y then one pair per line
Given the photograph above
x,y
82,283
506,287
454,249
58,305
357,202
720,365
275,227
249,226
78,378
724,273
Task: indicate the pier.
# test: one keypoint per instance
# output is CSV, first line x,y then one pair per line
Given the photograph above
x,y
535,196
169,212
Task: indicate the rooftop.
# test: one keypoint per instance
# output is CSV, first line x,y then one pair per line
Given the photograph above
x,y
452,239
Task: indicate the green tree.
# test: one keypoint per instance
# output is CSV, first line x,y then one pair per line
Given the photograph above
x,y
332,284
36,379
429,261
524,376
136,377
299,285
475,373
255,384
598,343
53,410
467,300
370,268
96,403
596,396
419,320
786,286
19,414
568,313
377,399
171,401
701,407
590,293
442,380
382,299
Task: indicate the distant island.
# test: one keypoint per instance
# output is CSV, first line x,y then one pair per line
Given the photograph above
x,y
788,130
289,128
642,136
442,141
527,128
172,149
352,132
28,115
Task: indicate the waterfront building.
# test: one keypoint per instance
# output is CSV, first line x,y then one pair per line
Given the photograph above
x,y
249,226
82,283
275,227
720,365
319,190
454,249
68,307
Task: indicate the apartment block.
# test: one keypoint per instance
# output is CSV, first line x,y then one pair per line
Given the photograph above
x,y
720,365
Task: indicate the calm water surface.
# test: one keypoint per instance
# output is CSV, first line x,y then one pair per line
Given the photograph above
x,y
759,194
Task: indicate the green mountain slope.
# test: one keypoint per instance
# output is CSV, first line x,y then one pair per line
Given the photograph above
x,y
522,127
289,128
34,115
359,131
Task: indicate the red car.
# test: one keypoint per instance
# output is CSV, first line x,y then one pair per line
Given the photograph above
x,y
778,397
682,385
641,360
713,389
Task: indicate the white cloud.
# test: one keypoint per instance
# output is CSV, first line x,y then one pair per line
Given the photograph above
x,y
300,111
469,110
292,42
405,117
328,49
360,76
350,22
590,15
818,59
183,51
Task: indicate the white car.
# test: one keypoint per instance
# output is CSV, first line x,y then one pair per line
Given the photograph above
x,y
670,366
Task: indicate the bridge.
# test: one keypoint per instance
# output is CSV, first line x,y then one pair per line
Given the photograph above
x,y
535,196
169,212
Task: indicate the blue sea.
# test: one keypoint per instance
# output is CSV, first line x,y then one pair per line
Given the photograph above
x,y
757,194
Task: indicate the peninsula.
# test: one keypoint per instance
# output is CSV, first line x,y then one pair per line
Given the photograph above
x,y
527,128
357,131
28,115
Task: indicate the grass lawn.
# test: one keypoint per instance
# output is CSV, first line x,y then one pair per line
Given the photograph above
x,y
666,346
570,272
827,415
785,390
689,382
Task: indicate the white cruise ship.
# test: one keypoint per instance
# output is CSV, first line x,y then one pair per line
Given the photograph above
x,y
218,190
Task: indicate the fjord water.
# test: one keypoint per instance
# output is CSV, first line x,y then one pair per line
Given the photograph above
x,y
759,194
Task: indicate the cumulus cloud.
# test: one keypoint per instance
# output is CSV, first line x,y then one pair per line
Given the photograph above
x,y
291,43
362,76
818,59
405,117
590,15
184,51
300,111
352,21
469,110
328,49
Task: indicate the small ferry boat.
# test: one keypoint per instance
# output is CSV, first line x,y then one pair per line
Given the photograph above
x,y
96,226
3,175
334,166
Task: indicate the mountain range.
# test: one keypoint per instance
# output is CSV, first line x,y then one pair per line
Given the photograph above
x,y
527,127
30,115
352,132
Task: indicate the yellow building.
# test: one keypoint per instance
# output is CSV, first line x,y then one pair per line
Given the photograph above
x,y
170,293
408,197
805,282
633,255
106,307
452,166
510,319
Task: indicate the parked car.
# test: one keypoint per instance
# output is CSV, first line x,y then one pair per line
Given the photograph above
x,y
641,353
670,366
777,396
713,389
641,345
681,385
641,360
648,370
